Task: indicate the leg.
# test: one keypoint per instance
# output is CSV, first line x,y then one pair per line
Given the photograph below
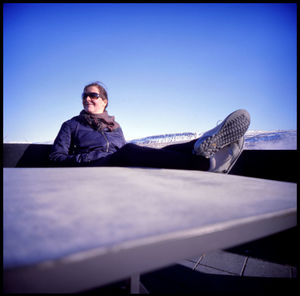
x,y
132,155
215,151
186,147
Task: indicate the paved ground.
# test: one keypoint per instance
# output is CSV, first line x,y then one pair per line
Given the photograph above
x,y
262,267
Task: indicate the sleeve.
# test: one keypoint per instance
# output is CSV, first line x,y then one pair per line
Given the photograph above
x,y
122,141
60,153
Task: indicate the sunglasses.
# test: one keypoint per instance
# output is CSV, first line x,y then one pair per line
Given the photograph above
x,y
92,95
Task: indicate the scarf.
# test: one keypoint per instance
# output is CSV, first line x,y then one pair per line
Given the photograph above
x,y
100,122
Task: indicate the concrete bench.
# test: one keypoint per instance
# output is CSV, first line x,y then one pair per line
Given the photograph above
x,y
72,229
26,155
267,164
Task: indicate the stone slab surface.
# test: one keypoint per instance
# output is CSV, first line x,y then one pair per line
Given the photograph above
x,y
107,219
52,212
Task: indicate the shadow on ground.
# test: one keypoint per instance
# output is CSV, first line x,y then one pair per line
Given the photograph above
x,y
178,279
280,248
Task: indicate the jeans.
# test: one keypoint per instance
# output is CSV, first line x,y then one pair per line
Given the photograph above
x,y
176,156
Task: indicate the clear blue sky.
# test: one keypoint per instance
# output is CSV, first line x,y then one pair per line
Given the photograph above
x,y
167,67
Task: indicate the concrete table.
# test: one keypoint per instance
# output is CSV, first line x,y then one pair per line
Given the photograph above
x,y
72,229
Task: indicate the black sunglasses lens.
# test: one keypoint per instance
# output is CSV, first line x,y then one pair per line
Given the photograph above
x,y
91,95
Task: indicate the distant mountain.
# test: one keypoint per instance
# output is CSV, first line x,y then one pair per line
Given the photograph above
x,y
254,140
271,140
163,140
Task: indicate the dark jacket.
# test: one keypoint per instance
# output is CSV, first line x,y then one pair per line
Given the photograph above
x,y
78,143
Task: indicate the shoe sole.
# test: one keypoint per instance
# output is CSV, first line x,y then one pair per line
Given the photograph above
x,y
233,127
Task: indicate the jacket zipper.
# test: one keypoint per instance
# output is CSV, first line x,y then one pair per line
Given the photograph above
x,y
107,143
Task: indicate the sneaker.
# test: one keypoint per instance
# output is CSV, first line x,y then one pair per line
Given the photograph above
x,y
224,160
230,130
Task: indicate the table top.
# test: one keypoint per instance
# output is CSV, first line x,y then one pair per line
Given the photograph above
x,y
50,213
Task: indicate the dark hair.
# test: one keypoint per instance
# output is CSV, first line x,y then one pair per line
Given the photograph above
x,y
102,91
